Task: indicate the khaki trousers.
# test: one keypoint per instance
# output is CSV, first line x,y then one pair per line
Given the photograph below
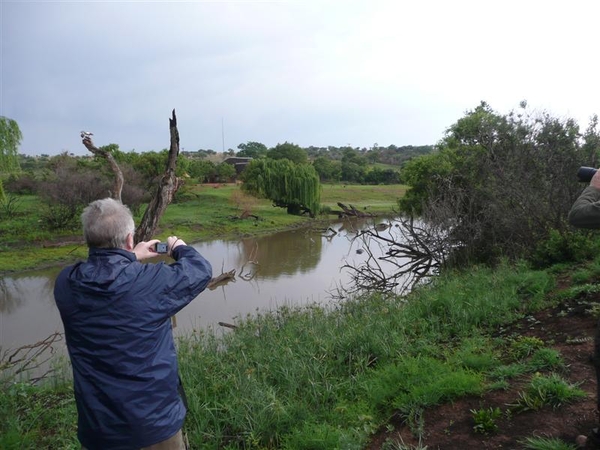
x,y
176,442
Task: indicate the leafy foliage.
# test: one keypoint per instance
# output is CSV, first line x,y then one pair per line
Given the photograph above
x,y
10,138
500,184
290,151
292,186
252,150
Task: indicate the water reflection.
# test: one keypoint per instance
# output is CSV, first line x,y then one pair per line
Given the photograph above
x,y
16,290
287,268
282,253
28,313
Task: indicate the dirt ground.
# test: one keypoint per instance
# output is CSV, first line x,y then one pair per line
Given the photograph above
x,y
568,328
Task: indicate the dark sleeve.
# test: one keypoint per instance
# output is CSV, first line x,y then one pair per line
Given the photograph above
x,y
174,285
585,212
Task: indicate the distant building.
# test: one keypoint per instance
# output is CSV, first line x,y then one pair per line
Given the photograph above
x,y
238,162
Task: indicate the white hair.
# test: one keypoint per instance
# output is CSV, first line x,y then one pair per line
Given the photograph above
x,y
107,223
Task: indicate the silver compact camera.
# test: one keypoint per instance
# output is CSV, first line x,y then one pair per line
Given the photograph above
x,y
161,247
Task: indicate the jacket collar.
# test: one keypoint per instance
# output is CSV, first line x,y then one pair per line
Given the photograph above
x,y
99,252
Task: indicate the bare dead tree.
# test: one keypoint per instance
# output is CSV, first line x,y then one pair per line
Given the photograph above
x,y
118,182
410,252
167,187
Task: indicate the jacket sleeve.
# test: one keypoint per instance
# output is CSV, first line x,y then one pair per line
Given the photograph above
x,y
174,285
585,212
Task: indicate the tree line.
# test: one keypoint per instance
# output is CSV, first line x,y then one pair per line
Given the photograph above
x,y
496,185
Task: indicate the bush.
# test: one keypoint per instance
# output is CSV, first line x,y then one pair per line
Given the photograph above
x,y
499,183
569,246
22,184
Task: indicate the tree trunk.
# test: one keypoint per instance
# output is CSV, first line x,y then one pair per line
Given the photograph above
x,y
168,186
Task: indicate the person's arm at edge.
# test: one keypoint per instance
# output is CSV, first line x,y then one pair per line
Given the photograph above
x,y
585,212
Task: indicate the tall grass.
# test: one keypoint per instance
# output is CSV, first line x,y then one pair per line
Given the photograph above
x,y
327,377
321,375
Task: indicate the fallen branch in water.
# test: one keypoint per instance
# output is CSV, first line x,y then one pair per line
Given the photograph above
x,y
222,279
250,275
28,358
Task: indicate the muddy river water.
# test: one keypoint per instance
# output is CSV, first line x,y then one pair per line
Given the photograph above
x,y
288,268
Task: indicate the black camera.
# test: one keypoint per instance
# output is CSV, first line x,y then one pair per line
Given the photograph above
x,y
161,247
586,173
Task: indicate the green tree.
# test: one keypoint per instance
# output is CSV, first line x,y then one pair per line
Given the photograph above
x,y
290,151
292,186
252,150
10,139
202,170
225,172
499,184
327,169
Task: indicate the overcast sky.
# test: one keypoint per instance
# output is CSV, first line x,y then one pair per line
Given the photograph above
x,y
309,72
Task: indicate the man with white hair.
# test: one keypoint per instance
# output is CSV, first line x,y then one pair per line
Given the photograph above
x,y
117,314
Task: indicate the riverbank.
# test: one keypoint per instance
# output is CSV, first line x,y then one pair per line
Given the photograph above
x,y
201,212
485,358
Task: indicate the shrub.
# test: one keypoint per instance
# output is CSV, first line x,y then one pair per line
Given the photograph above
x,y
22,184
564,247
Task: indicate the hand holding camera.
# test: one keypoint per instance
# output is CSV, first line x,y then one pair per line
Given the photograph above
x,y
167,247
589,174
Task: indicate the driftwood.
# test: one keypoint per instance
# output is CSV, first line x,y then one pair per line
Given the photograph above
x,y
228,325
28,359
222,279
351,211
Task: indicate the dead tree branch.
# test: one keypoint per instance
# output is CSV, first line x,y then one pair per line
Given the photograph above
x,y
351,211
118,182
251,260
29,358
168,186
222,279
398,257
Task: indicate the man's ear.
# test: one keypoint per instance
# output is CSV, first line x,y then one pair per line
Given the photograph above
x,y
129,242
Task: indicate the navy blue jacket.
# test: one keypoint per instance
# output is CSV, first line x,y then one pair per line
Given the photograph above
x,y
116,313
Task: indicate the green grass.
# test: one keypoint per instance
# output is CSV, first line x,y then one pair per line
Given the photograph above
x,y
376,199
551,390
544,443
38,417
342,372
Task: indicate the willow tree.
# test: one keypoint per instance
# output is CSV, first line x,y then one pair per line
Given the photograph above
x,y
10,138
292,186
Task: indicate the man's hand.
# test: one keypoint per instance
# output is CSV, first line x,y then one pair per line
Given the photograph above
x,y
172,243
595,182
145,249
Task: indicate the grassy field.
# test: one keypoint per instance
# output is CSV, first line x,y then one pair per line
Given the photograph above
x,y
201,212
